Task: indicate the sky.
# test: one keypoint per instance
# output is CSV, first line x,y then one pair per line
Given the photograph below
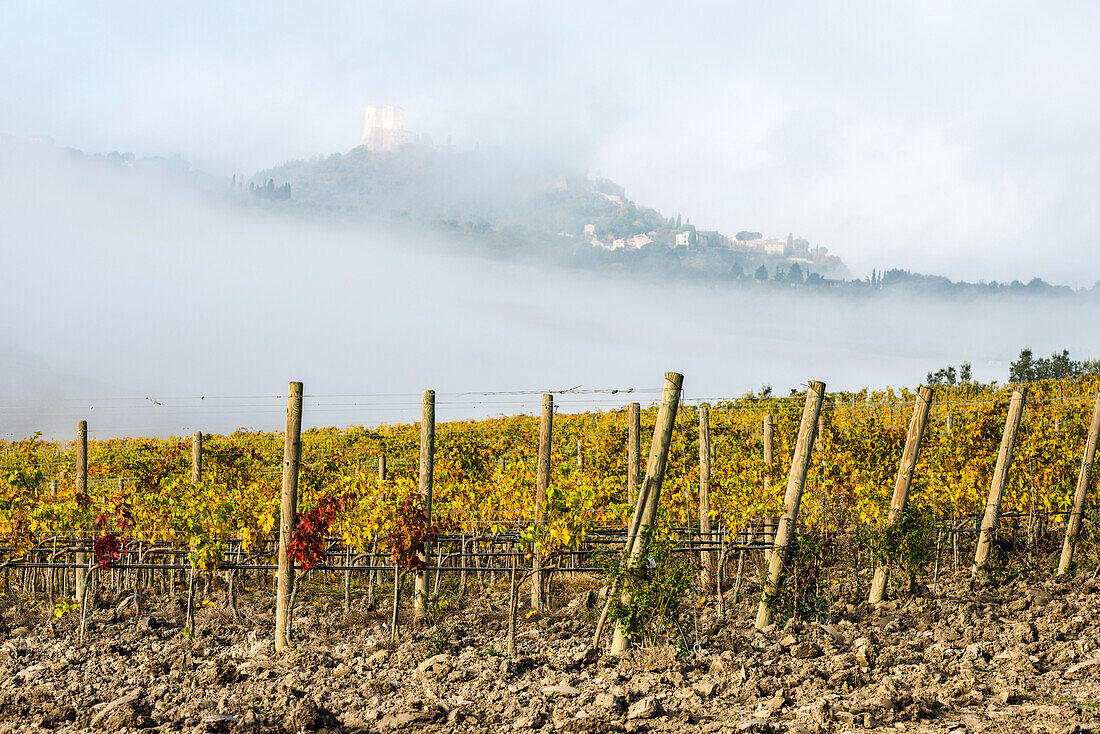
x,y
941,138
956,138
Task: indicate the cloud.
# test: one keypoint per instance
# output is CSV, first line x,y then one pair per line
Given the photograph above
x,y
883,192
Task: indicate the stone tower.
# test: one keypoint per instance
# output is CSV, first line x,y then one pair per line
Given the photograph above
x,y
384,128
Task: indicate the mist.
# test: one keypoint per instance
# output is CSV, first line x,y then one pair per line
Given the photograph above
x,y
147,305
945,139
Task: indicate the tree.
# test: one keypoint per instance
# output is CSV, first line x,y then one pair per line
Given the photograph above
x,y
948,376
761,273
1028,368
942,376
745,235
794,275
1023,369
1061,366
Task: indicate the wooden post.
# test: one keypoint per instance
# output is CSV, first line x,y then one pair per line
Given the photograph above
x,y
769,449
196,457
580,456
80,574
546,432
1073,523
1000,477
706,557
649,497
381,468
513,604
788,523
427,468
288,513
904,481
769,459
396,602
633,451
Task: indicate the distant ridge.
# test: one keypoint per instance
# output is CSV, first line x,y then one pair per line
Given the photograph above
x,y
525,205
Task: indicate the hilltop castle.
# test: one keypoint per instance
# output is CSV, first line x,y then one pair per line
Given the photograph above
x,y
385,129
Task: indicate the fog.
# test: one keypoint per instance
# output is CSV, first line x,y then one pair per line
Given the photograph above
x,y
942,137
144,304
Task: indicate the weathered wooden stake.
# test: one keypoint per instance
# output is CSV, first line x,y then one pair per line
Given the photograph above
x,y
769,449
1073,523
769,457
189,618
347,580
80,572
788,523
546,433
196,457
463,561
288,513
904,481
381,468
705,557
633,451
1000,477
649,496
513,605
427,468
396,602
631,534
374,574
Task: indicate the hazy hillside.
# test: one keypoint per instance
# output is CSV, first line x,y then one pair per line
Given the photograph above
x,y
504,201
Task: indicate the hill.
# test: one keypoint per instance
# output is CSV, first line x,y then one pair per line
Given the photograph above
x,y
504,202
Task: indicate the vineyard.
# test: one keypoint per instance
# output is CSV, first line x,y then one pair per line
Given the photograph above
x,y
213,502
792,504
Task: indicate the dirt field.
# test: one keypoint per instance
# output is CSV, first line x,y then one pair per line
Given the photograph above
x,y
1024,657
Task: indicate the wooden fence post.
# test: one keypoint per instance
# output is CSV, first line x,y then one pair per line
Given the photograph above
x,y
80,573
1073,523
546,432
633,451
649,496
427,469
788,523
196,457
905,479
769,458
769,448
706,557
288,513
381,468
1000,477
